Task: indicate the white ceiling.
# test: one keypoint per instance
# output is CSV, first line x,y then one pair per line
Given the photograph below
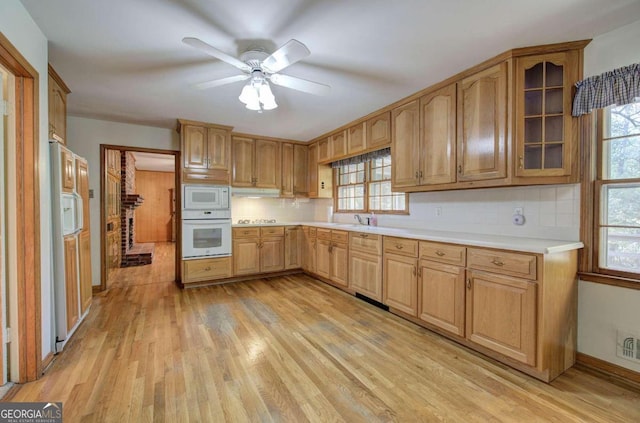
x,y
154,162
124,59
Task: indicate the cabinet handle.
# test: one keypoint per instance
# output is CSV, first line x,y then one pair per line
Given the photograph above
x,y
331,248
206,269
364,235
416,174
420,272
497,262
414,270
246,232
420,174
399,246
521,162
468,283
460,169
440,253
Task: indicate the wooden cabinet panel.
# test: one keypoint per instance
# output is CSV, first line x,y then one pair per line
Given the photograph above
x,y
405,142
57,107
243,156
438,137
271,254
365,274
357,138
520,265
300,170
313,170
482,125
267,164
206,152
324,150
338,146
246,256
71,280
208,269
379,131
442,296
366,243
68,170
286,183
246,232
323,233
293,250
501,315
309,256
444,253
323,258
340,264
402,246
400,286
84,255
82,186
218,149
194,148
270,231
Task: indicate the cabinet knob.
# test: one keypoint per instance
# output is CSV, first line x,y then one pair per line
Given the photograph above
x,y
460,169
416,174
420,174
521,162
497,262
206,269
414,271
399,246
468,283
440,253
364,235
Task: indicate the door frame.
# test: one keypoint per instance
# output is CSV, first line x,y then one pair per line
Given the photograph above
x,y
103,216
27,201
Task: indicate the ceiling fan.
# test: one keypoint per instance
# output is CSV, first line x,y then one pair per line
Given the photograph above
x,y
260,67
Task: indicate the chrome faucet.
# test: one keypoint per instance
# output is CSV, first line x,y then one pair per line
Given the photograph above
x,y
360,220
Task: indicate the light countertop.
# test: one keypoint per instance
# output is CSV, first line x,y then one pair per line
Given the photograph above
x,y
528,245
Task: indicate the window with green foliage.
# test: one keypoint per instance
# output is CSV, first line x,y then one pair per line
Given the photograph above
x,y
366,187
618,191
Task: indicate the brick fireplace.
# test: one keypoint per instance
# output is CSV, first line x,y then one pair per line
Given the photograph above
x,y
133,254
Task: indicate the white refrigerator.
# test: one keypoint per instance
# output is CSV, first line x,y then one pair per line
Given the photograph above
x,y
67,222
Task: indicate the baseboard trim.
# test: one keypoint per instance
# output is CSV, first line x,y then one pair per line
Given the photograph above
x,y
611,370
46,362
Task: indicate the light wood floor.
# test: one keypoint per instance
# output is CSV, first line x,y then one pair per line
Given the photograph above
x,y
161,270
292,349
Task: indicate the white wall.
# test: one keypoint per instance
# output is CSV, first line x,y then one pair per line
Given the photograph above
x,y
551,212
26,37
84,137
602,309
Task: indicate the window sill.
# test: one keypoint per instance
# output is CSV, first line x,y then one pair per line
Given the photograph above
x,y
610,280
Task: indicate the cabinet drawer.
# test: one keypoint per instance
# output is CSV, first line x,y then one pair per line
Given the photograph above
x,y
366,243
444,253
206,269
272,231
514,264
324,234
246,232
312,232
406,247
340,236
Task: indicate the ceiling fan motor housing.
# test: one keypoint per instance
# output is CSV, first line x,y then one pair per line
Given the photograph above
x,y
254,58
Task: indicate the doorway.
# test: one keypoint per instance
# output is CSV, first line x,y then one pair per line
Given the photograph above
x,y
139,203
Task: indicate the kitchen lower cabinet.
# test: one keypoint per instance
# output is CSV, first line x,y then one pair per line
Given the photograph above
x,y
332,256
208,269
271,254
258,250
323,258
442,296
293,240
246,256
365,264
71,280
401,283
340,264
309,255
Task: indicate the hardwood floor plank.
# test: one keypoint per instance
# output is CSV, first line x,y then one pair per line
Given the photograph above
x,y
291,349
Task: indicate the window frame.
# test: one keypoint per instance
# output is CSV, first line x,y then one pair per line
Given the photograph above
x,y
367,181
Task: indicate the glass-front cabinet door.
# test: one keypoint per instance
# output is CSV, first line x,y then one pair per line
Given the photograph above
x,y
546,141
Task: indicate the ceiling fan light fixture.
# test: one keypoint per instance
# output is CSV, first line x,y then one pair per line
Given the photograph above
x,y
257,95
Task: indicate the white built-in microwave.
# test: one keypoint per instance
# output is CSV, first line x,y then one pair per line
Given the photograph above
x,y
205,197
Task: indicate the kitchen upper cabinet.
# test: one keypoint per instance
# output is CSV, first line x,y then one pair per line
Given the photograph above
x,y
546,133
71,280
357,138
324,150
205,151
256,163
58,92
405,145
379,131
482,124
294,171
438,137
338,145
320,175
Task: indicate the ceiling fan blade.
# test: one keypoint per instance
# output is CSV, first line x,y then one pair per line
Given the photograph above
x,y
300,84
223,81
218,54
285,56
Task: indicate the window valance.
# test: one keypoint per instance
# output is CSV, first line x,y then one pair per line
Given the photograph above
x,y
362,157
619,86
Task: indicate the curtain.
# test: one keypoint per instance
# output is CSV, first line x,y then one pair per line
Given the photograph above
x,y
619,86
362,157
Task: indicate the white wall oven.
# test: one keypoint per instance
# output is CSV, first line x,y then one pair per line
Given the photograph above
x,y
206,222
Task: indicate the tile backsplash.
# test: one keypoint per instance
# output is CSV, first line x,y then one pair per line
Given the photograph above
x,y
551,212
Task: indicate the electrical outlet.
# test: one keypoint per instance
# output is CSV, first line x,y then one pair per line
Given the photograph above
x,y
438,211
518,210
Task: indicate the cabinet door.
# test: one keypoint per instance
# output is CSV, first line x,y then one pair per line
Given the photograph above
x,y
57,112
340,264
208,269
242,152
82,186
194,147
324,150
482,125
71,280
271,254
300,170
357,138
544,137
217,149
379,131
441,296
313,170
365,274
286,189
84,253
323,258
267,164
246,256
400,287
293,240
68,170
501,315
438,152
405,145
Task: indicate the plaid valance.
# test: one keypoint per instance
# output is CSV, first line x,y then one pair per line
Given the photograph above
x,y
362,157
619,86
